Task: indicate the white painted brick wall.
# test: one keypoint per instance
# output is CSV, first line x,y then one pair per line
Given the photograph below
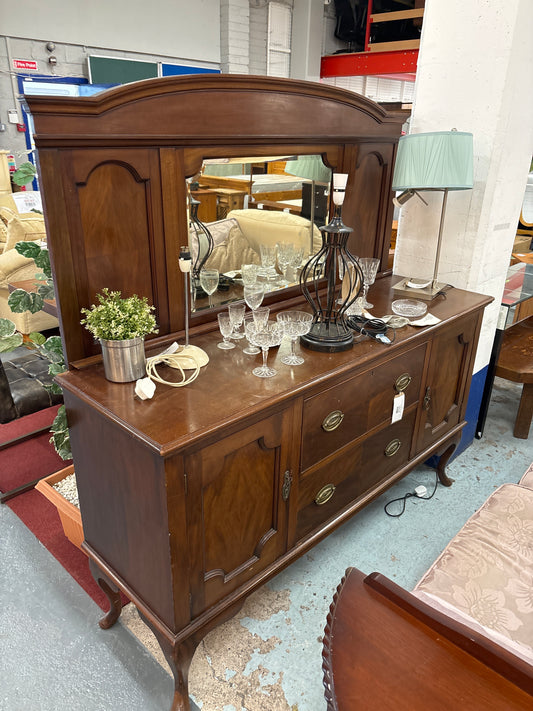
x,y
235,36
258,39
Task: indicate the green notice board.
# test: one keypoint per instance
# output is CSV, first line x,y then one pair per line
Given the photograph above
x,y
112,70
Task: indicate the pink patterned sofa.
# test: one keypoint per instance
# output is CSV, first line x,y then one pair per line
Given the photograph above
x,y
484,576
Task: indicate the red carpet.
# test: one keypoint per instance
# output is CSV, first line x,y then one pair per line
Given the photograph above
x,y
24,462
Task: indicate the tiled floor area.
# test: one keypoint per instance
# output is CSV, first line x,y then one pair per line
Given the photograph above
x,y
54,657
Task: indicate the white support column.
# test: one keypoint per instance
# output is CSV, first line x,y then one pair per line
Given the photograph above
x,y
474,74
306,43
235,36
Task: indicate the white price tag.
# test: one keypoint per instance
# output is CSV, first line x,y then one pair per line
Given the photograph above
x,y
397,407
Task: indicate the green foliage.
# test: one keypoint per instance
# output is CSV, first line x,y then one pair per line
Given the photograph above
x,y
51,348
119,319
24,174
60,435
10,338
21,300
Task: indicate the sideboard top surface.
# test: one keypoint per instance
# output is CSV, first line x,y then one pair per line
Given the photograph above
x,y
226,391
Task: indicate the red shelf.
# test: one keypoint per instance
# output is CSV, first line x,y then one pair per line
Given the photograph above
x,y
400,62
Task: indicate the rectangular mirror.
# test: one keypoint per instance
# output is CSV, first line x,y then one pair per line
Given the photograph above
x,y
254,219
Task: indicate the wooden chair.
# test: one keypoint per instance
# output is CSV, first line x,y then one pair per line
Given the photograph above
x,y
515,363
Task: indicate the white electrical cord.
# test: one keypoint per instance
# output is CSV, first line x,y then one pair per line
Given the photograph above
x,y
173,360
181,358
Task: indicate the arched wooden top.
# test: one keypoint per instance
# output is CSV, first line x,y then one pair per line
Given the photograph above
x,y
212,108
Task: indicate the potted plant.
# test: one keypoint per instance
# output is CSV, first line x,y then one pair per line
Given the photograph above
x,y
120,325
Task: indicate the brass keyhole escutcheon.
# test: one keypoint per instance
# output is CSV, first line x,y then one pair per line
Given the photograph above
x,y
392,447
325,494
333,420
402,382
287,484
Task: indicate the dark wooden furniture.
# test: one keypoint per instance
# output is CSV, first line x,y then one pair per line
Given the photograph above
x,y
207,209
192,500
515,363
516,307
385,649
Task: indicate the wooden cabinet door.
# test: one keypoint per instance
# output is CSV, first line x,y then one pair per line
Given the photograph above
x,y
445,393
237,507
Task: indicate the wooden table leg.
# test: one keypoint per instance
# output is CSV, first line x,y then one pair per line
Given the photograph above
x,y
443,461
525,412
179,657
112,594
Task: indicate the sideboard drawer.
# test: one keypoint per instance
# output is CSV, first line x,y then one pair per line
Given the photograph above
x,y
337,416
328,488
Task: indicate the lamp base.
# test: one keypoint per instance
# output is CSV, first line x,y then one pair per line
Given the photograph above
x,y
426,293
327,338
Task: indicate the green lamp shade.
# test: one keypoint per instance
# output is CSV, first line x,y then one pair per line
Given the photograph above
x,y
434,161
310,168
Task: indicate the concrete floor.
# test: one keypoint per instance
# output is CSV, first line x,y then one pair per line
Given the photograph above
x,y
54,657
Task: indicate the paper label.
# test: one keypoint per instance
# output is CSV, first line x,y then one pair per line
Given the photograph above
x,y
397,407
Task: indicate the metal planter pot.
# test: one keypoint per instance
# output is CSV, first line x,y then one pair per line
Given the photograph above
x,y
124,361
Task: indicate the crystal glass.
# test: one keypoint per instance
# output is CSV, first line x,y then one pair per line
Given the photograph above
x,y
294,324
248,326
369,267
260,316
285,255
249,274
268,262
226,328
266,338
296,261
253,295
209,282
236,314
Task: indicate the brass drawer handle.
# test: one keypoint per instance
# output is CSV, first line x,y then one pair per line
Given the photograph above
x,y
392,447
333,420
402,382
325,494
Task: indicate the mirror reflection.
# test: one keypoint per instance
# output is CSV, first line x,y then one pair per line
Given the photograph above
x,y
254,220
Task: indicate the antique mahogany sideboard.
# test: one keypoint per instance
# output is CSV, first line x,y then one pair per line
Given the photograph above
x,y
193,499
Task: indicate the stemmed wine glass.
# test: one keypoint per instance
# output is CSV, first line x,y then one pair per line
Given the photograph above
x,y
260,316
249,274
249,324
266,338
209,282
296,261
253,295
369,267
236,315
268,262
294,324
285,256
226,328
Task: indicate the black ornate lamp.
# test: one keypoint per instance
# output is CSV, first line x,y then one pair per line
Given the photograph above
x,y
201,242
333,262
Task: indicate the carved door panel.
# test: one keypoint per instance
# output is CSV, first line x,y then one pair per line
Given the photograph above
x,y
116,232
237,507
449,373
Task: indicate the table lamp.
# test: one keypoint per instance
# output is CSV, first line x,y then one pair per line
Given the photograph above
x,y
333,264
442,160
